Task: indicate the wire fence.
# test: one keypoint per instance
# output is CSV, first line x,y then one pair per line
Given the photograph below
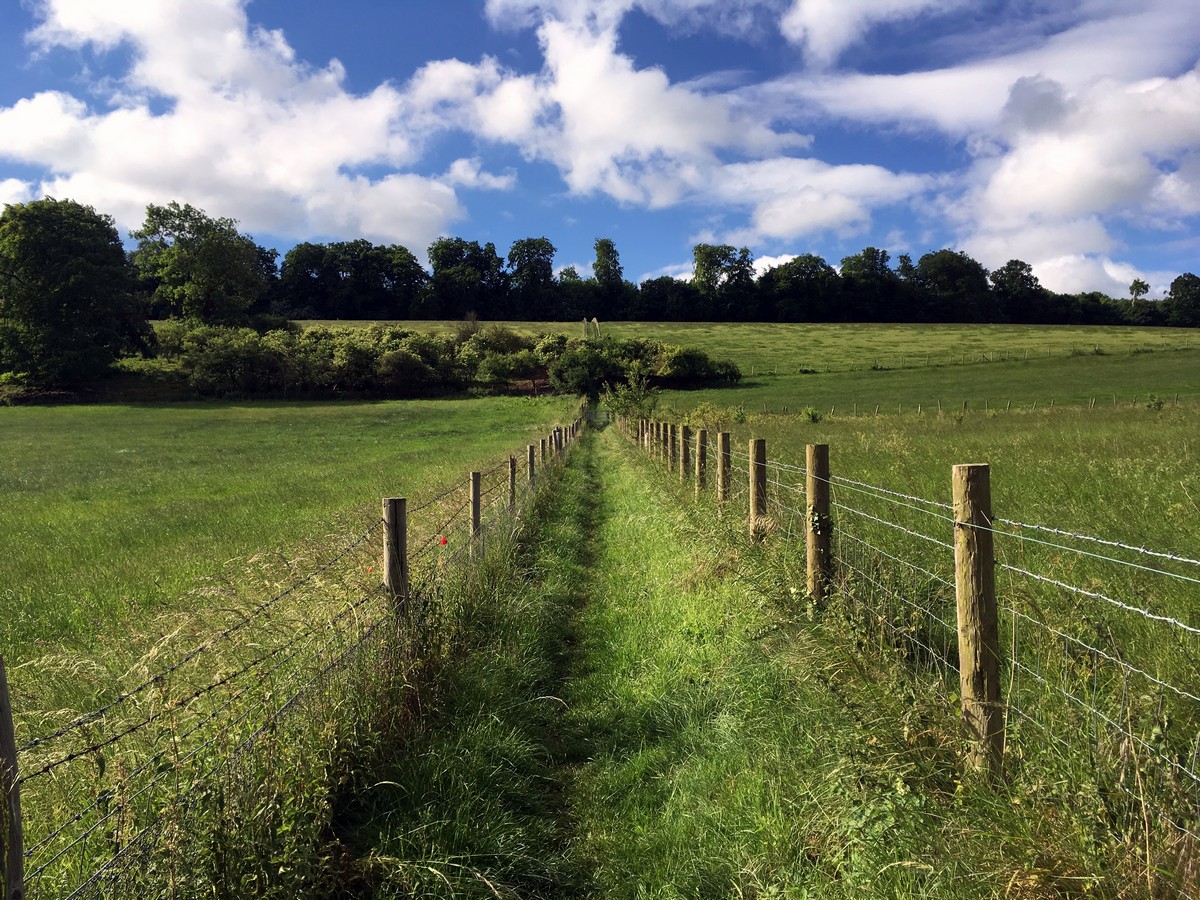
x,y
115,798
1099,645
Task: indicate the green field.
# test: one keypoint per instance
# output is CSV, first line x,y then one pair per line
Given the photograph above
x,y
636,702
112,514
786,348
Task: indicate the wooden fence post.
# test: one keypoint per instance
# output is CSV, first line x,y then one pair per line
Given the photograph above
x,y
512,484
701,460
672,448
531,452
543,445
476,505
395,550
685,452
819,524
758,488
14,841
724,466
978,626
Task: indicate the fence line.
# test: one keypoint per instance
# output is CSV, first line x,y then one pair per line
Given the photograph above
x,y
152,736
1124,659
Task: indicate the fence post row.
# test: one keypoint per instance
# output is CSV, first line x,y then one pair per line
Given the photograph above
x,y
978,626
14,841
974,563
758,489
819,523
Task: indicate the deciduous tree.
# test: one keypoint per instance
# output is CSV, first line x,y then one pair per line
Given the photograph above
x,y
67,310
203,268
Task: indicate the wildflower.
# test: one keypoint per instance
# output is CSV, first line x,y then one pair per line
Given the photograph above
x,y
442,542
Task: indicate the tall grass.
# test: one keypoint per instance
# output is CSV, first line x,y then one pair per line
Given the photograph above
x,y
1098,654
113,516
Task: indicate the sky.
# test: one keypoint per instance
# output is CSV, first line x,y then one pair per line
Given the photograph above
x,y
1065,133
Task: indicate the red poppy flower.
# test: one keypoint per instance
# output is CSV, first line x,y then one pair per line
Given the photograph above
x,y
442,542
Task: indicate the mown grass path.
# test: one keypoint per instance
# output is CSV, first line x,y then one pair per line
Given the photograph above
x,y
645,713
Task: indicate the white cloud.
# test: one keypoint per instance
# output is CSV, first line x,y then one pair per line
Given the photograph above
x,y
791,197
469,173
1090,272
765,263
248,132
827,27
14,190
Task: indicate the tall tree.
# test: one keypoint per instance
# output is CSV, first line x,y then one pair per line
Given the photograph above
x,y
804,289
607,267
1183,303
1018,293
869,286
724,276
466,278
203,268
531,278
66,304
954,288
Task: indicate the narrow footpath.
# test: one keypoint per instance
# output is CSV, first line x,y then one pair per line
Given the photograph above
x,y
617,724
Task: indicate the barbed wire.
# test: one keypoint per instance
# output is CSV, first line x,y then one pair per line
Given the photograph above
x,y
153,680
1095,595
156,825
177,703
1144,551
1128,667
1116,726
843,533
893,525
457,486
1098,556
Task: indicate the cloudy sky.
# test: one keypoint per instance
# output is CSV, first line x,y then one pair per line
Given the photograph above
x,y
1062,132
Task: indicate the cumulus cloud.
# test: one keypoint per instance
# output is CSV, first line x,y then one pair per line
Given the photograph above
x,y
791,197
469,173
14,190
248,130
827,27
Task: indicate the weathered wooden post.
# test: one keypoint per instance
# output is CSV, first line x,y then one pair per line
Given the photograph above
x,y
978,625
476,506
543,445
672,448
512,484
531,454
395,550
724,466
701,460
14,840
685,452
758,488
819,525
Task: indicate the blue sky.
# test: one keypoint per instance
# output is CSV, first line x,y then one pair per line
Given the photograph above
x,y
1066,134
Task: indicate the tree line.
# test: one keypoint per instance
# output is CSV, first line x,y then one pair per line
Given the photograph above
x,y
68,286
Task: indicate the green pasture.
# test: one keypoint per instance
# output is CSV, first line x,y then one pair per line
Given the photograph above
x,y
1102,381
110,514
786,348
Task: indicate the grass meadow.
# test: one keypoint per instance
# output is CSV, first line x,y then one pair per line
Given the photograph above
x,y
114,514
621,697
